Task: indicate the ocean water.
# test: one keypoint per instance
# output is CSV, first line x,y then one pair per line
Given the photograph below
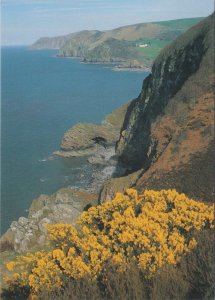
x,y
42,97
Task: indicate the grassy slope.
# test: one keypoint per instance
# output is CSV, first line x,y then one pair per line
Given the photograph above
x,y
103,46
171,30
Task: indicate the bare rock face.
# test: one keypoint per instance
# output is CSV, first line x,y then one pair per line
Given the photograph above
x,y
21,234
65,206
42,225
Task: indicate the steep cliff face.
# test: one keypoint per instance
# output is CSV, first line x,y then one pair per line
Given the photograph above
x,y
181,74
168,131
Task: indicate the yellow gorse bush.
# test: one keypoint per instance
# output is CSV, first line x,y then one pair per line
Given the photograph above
x,y
152,229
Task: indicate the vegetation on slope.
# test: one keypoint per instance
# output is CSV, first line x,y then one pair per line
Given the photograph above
x,y
124,44
113,50
52,42
120,44
181,24
170,31
148,231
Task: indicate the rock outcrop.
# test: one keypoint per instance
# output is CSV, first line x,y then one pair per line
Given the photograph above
x,y
64,206
87,139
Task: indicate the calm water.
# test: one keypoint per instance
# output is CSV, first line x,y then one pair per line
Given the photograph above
x,y
42,97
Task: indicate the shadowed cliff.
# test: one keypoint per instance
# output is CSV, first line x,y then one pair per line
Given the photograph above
x,y
168,129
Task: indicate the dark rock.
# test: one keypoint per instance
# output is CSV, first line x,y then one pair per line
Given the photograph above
x,y
173,67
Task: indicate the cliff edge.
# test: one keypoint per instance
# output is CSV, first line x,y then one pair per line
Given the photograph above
x,y
168,129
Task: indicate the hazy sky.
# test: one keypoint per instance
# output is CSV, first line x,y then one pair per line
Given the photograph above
x,y
24,21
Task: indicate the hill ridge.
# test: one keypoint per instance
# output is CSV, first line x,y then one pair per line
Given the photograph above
x,y
89,44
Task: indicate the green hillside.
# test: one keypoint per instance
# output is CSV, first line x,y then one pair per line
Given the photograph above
x,y
137,44
171,30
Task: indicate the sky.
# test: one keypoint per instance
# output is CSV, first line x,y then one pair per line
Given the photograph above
x,y
24,21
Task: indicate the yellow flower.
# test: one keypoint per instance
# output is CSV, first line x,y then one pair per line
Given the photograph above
x,y
58,254
192,244
10,265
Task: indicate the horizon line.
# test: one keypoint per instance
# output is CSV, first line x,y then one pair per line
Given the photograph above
x,y
103,30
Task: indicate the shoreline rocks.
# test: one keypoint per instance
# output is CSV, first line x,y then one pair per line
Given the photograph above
x,y
65,206
85,139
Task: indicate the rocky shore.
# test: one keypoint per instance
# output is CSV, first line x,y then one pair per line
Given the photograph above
x,y
97,143
63,206
130,65
133,65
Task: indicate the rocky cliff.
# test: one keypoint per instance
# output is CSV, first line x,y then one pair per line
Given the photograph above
x,y
168,129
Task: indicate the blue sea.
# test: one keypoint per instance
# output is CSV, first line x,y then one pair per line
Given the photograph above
x,y
42,97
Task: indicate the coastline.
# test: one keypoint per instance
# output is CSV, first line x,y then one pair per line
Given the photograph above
x,y
117,65
67,203
137,69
